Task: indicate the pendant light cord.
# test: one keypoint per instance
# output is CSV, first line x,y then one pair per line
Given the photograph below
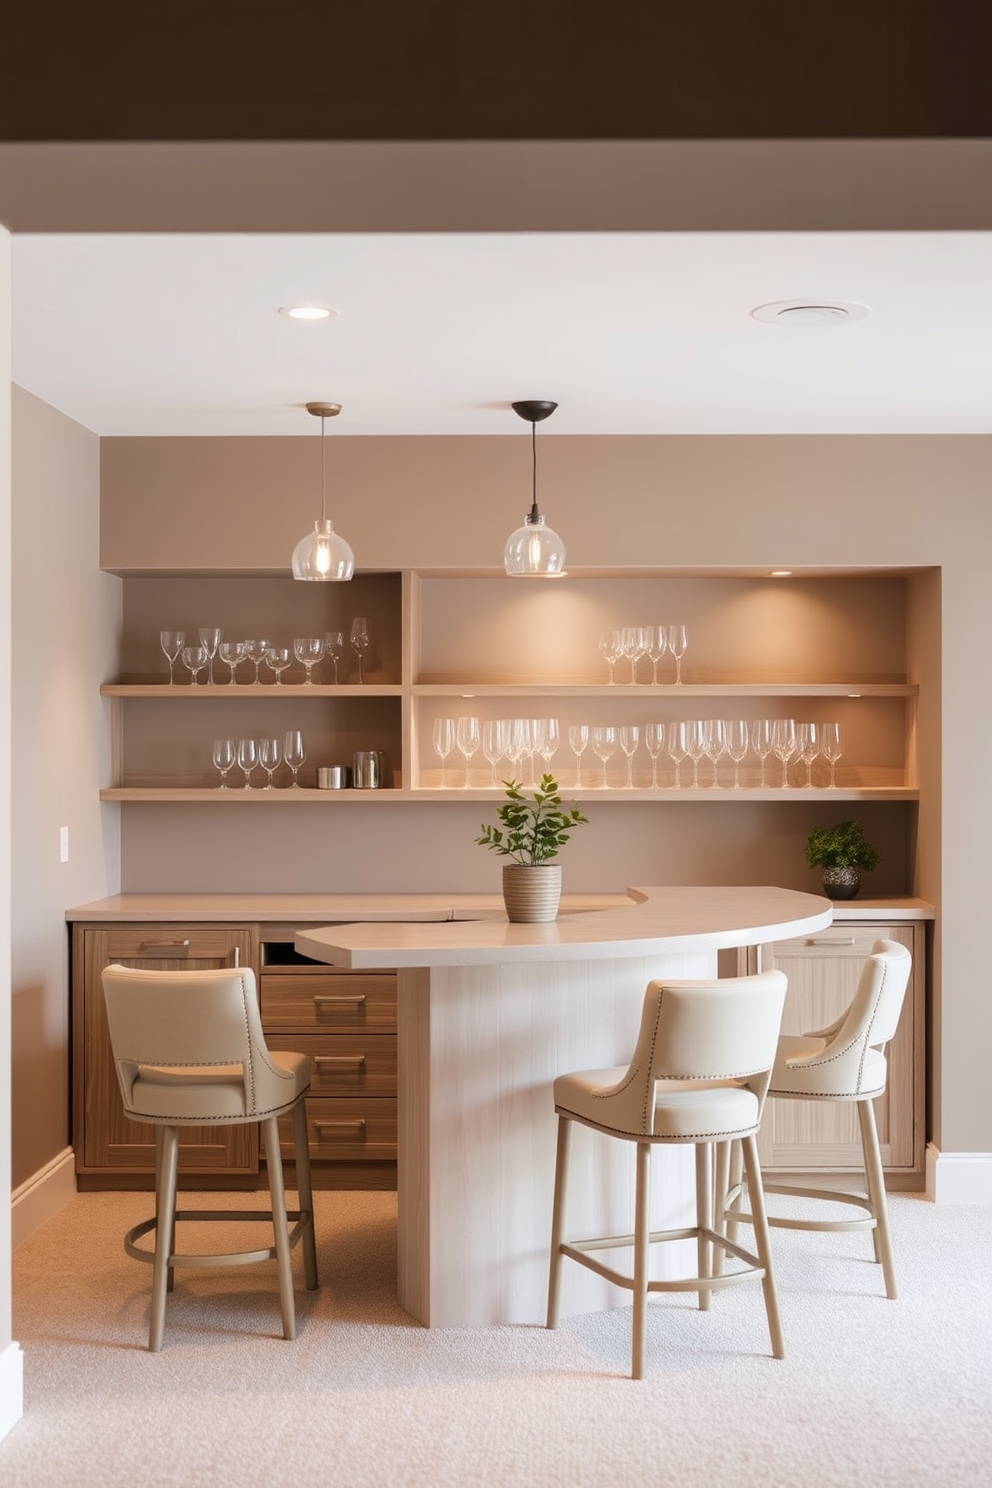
x,y
534,513
323,478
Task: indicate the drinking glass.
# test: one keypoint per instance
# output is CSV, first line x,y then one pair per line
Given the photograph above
x,y
309,650
494,735
678,748
611,647
808,747
657,646
294,753
735,735
247,758
578,740
784,743
762,730
714,746
467,738
211,639
526,730
277,659
231,653
678,641
516,745
604,746
194,659
444,738
172,642
697,747
832,747
634,643
654,743
225,755
255,651
268,758
334,648
361,641
548,739
629,734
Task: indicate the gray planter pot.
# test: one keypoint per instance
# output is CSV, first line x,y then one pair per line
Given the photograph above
x,y
841,883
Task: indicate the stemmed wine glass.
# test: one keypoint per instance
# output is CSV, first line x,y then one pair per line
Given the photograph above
x,y
444,738
172,642
611,647
277,659
629,735
255,651
309,650
832,747
784,744
194,659
634,641
678,641
548,739
578,740
268,758
736,745
294,752
231,653
361,641
657,646
654,743
808,747
762,731
516,744
225,755
696,742
526,729
334,648
467,738
714,746
247,758
211,639
494,735
604,746
678,748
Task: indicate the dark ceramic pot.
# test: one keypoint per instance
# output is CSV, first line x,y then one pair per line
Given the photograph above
x,y
841,883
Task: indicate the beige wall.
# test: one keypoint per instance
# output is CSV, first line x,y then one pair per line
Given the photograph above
x,y
10,1388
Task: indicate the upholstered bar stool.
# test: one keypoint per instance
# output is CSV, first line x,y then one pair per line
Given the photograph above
x,y
844,1063
699,1075
189,1051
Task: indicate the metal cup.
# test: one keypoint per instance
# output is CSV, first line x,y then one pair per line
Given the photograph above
x,y
369,769
333,777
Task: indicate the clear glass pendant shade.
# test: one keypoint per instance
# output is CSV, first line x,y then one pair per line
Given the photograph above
x,y
534,551
323,555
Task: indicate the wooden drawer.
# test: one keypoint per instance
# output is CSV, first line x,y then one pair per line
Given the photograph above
x,y
315,1002
345,1063
346,1128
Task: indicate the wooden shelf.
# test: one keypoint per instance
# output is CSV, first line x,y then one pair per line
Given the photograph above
x,y
291,691
307,796
668,691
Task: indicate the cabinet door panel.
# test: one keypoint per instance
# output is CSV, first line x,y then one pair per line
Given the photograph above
x,y
346,1129
328,1002
343,1063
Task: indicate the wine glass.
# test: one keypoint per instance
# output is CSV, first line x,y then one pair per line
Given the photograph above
x,y
194,659
548,739
604,746
714,746
578,740
736,745
524,745
629,734
494,735
277,659
294,752
231,653
611,647
309,650
808,747
634,643
654,743
255,651
678,748
444,738
467,739
678,641
361,641
247,758
697,747
832,747
211,639
334,648
657,646
784,743
268,758
225,755
762,730
172,642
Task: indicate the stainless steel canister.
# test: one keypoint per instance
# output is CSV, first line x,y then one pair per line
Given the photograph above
x,y
333,777
369,769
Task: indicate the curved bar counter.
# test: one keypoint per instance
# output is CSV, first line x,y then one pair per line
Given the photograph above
x,y
488,1014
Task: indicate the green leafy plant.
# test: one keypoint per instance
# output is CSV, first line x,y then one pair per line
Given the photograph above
x,y
533,828
841,846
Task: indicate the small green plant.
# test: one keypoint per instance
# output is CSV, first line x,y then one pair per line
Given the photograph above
x,y
534,827
841,846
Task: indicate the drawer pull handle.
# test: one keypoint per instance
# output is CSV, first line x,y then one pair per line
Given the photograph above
x,y
322,1126
349,1059
354,999
832,940
165,945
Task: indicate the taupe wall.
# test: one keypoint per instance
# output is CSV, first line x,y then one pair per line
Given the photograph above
x,y
66,622
8,1406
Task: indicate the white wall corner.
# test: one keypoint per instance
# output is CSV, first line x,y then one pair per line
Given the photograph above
x,y
959,1177
11,1387
42,1196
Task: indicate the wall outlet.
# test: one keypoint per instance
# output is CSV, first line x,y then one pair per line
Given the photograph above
x,y
63,844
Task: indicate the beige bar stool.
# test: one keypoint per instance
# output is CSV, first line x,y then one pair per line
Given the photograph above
x,y
189,1051
843,1063
699,1075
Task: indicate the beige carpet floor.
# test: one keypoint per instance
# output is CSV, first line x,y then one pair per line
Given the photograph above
x,y
872,1392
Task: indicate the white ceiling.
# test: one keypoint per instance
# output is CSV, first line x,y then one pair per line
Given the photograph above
x,y
631,333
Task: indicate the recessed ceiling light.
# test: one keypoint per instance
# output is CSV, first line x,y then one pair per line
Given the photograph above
x,y
307,312
810,312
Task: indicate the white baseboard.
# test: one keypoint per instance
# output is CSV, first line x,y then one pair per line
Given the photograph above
x,y
11,1387
42,1196
959,1177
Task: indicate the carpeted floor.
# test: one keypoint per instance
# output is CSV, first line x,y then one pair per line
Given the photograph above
x,y
895,1394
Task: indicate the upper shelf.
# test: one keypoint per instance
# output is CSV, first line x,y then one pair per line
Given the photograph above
x,y
290,690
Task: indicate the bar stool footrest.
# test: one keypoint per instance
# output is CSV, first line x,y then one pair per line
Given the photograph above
x,y
300,1218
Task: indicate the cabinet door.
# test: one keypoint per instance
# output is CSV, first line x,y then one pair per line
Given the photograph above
x,y
823,972
106,1141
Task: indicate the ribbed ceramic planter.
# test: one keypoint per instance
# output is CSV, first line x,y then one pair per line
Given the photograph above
x,y
531,894
841,883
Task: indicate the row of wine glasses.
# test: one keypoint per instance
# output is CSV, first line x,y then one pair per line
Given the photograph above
x,y
308,651
250,754
516,740
632,642
712,739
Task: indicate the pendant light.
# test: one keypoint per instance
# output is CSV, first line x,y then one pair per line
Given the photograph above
x,y
534,551
323,556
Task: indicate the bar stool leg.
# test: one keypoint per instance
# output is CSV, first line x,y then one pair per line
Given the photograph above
x,y
558,1219
166,1167
304,1188
642,1228
762,1241
704,1219
876,1192
277,1193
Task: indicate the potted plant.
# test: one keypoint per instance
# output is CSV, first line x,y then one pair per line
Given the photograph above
x,y
843,853
533,829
